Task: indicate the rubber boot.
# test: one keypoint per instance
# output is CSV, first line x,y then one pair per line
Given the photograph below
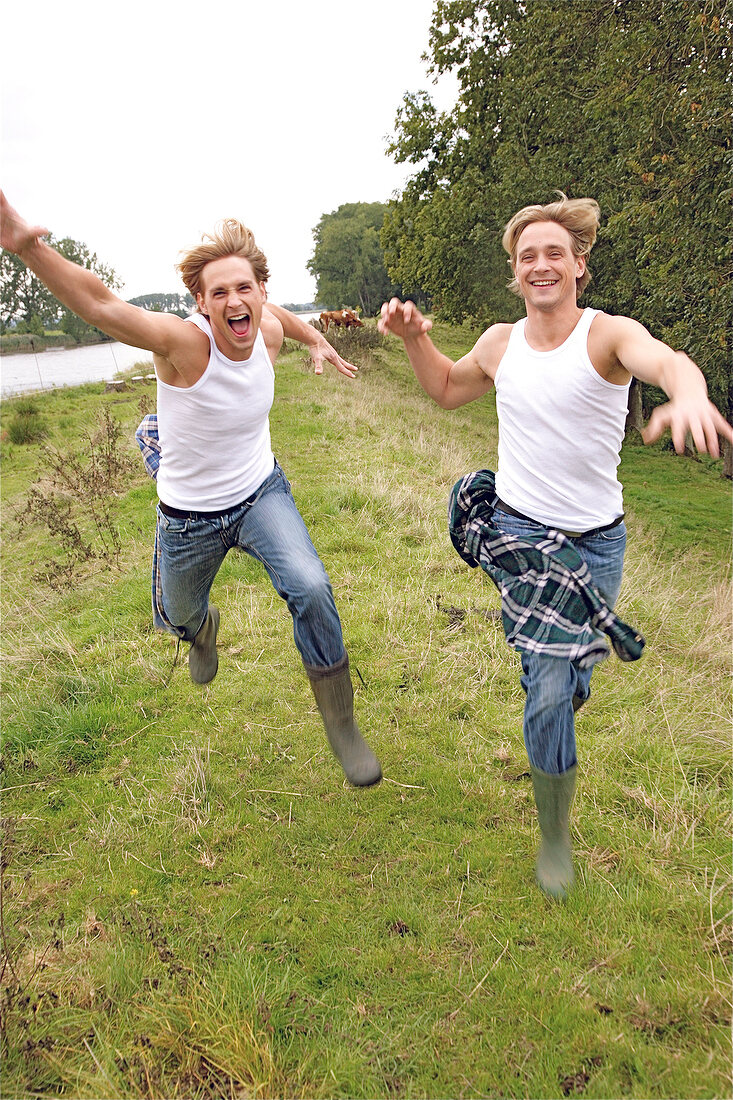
x,y
203,660
334,695
554,795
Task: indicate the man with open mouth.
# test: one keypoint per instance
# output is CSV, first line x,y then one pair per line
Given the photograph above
x,y
219,484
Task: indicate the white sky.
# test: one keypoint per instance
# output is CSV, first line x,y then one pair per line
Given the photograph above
x,y
134,127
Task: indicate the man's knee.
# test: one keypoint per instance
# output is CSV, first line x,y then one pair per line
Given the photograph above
x,y
547,681
314,589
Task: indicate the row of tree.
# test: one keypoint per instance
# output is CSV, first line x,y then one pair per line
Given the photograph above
x,y
180,304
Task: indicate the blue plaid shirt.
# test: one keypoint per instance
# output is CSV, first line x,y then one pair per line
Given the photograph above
x,y
549,604
149,444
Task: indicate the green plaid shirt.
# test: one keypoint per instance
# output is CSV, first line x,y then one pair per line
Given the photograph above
x,y
549,604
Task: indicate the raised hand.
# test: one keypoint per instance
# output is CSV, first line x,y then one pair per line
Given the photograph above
x,y
700,418
403,319
15,232
323,350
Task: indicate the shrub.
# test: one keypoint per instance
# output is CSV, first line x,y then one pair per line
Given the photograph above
x,y
74,503
27,425
356,345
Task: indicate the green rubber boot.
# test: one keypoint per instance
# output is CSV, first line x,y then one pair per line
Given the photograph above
x,y
334,695
203,660
554,796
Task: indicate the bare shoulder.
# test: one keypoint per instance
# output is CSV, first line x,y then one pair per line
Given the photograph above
x,y
609,333
614,342
186,354
488,351
609,329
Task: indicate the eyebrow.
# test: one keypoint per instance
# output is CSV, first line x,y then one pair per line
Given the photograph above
x,y
221,286
533,248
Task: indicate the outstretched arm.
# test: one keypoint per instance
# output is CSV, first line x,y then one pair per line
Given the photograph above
x,y
295,328
689,409
84,293
449,384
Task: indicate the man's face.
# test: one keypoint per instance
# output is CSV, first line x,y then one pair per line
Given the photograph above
x,y
232,299
545,267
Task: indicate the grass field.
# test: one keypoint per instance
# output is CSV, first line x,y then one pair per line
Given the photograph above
x,y
195,905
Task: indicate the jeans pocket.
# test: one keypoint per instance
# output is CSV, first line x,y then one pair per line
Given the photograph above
x,y
616,534
275,482
172,525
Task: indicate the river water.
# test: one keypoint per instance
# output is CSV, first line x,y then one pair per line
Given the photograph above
x,y
28,372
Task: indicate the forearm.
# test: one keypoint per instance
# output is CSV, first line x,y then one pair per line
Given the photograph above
x,y
295,328
432,368
681,379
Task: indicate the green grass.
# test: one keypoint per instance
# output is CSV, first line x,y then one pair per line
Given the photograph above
x,y
195,905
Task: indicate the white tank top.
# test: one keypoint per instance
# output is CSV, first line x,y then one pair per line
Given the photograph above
x,y
561,427
215,435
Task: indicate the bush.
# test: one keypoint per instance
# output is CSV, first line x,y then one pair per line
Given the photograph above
x,y
57,340
27,425
22,341
356,345
74,502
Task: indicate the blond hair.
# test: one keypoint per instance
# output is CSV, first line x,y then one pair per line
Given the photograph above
x,y
580,217
230,238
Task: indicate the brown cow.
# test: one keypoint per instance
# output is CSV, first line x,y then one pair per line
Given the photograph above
x,y
346,317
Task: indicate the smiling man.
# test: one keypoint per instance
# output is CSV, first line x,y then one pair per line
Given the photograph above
x,y
553,516
219,484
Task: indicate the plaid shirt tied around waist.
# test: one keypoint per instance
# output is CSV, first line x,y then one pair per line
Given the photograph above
x,y
149,444
549,604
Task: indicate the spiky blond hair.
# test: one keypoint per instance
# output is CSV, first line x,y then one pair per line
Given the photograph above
x,y
580,217
230,238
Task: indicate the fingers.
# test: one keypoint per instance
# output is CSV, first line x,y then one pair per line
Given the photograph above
x,y
390,314
705,437
329,353
403,319
343,366
704,429
661,419
722,427
15,233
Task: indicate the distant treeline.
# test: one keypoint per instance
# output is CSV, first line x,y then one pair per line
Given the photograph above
x,y
180,304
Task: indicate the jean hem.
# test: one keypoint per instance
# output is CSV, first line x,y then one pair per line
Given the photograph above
x,y
321,672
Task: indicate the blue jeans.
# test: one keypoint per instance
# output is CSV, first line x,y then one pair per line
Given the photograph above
x,y
551,683
269,527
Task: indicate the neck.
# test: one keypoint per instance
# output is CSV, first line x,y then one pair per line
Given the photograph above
x,y
547,329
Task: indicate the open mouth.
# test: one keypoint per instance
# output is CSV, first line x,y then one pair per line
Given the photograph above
x,y
239,325
544,282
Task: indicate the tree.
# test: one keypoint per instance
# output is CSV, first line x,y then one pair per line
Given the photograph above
x,y
348,262
24,296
